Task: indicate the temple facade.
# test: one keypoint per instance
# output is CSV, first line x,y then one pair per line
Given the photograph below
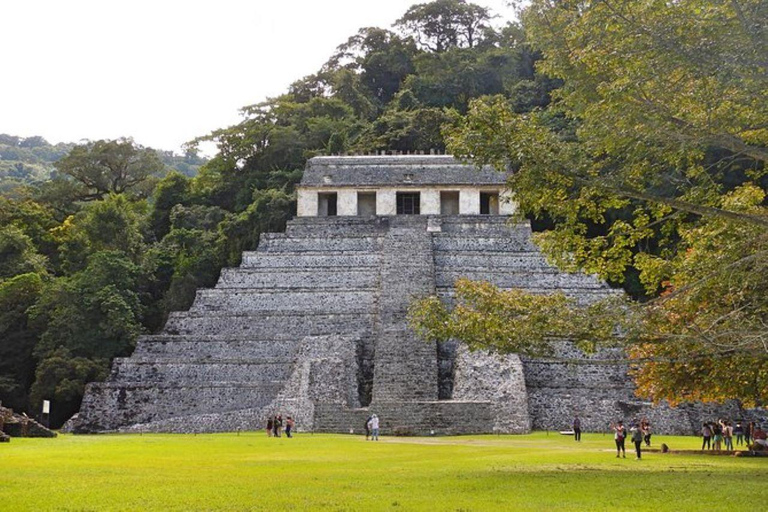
x,y
313,323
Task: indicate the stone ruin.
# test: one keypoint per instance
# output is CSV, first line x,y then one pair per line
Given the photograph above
x,y
313,323
20,425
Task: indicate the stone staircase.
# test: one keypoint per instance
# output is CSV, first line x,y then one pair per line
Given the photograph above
x,y
312,325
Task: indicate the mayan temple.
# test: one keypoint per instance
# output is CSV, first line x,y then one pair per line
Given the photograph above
x,y
312,324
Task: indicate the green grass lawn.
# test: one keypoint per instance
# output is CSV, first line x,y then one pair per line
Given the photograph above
x,y
335,472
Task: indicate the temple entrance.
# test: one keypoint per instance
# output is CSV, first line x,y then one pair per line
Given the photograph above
x,y
449,203
366,204
489,203
408,203
326,204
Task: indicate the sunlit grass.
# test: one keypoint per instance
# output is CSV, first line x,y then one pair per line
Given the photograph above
x,y
334,472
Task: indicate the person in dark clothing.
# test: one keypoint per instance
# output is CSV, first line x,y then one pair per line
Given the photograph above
x,y
278,425
289,423
368,427
620,434
749,429
706,435
270,426
576,429
738,431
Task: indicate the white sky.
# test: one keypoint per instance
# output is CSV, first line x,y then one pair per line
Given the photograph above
x,y
165,71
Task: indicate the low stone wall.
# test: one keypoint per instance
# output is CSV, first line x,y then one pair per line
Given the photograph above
x,y
410,418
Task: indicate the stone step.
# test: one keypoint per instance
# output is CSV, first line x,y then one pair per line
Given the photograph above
x,y
272,371
318,301
444,417
462,261
214,347
111,405
319,278
547,279
281,242
267,324
333,226
581,296
515,242
305,261
482,225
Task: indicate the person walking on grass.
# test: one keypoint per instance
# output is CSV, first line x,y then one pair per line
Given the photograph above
x,y
576,429
619,435
646,428
270,426
368,427
706,436
637,440
373,424
278,425
289,424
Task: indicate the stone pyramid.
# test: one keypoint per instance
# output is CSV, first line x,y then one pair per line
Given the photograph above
x,y
312,325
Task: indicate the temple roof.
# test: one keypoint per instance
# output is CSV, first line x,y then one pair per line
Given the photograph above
x,y
366,171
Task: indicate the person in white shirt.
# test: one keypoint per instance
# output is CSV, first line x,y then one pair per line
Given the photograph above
x,y
373,424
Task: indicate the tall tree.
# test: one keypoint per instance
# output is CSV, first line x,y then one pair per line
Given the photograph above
x,y
110,167
658,169
444,24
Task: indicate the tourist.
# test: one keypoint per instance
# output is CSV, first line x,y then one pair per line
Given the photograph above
x,y
373,424
748,430
760,437
289,424
717,437
728,435
637,439
738,431
706,434
577,428
270,424
368,427
278,424
620,434
646,427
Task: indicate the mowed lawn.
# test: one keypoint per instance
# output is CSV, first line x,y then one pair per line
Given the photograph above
x,y
336,472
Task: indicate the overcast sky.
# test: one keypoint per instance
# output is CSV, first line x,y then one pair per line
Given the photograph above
x,y
165,71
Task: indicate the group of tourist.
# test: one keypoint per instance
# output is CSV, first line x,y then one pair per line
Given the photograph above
x,y
715,434
639,432
275,426
372,428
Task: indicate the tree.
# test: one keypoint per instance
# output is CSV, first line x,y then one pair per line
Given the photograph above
x,y
61,378
380,57
444,24
110,167
17,253
170,191
17,339
659,171
94,313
